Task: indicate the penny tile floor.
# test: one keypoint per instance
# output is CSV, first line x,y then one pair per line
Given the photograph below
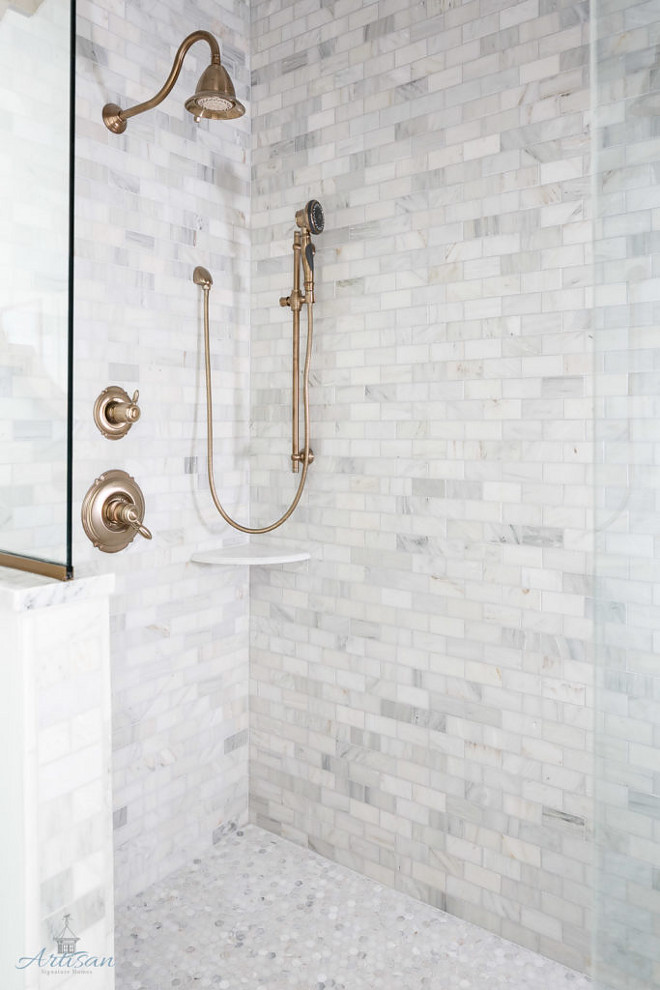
x,y
260,913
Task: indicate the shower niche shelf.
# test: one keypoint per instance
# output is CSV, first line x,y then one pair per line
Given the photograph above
x,y
250,554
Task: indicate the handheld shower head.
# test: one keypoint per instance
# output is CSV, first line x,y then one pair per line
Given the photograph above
x,y
311,221
311,218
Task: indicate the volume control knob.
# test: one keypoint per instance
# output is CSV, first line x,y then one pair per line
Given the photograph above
x,y
123,412
115,412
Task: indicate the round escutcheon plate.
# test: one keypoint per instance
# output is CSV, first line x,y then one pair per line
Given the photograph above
x,y
111,487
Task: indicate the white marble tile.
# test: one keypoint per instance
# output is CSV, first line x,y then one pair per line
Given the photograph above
x,y
260,913
60,836
451,282
151,205
20,590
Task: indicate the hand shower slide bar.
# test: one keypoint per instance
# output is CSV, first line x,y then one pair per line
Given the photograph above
x,y
311,221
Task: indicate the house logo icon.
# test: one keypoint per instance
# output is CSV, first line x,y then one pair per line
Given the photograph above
x,y
69,957
66,940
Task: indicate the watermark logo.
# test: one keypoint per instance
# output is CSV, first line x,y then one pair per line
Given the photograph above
x,y
66,940
68,957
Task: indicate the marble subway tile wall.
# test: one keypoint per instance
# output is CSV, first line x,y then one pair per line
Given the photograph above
x,y
628,412
421,690
151,204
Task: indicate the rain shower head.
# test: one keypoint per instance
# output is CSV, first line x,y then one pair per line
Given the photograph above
x,y
311,218
215,96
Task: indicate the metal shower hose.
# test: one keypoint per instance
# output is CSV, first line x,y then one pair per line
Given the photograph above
x,y
209,424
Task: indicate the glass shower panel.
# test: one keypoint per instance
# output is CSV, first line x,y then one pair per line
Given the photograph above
x,y
626,90
35,55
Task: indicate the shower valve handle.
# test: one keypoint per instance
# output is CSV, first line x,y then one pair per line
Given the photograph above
x,y
123,513
124,412
113,510
115,411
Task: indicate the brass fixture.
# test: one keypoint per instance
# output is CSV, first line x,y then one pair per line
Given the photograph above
x,y
115,412
113,510
311,217
311,221
202,277
35,566
214,98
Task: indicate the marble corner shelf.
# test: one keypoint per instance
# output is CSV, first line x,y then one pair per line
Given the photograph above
x,y
251,555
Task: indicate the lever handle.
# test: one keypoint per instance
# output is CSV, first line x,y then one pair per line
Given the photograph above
x,y
120,512
131,518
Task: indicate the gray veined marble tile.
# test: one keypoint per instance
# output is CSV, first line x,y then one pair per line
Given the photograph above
x,y
262,913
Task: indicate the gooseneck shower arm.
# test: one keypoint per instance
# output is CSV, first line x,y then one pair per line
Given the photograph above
x,y
214,97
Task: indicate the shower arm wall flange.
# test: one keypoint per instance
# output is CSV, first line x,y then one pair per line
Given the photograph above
x,y
115,118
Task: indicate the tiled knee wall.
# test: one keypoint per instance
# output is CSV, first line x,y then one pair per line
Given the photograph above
x,y
421,690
